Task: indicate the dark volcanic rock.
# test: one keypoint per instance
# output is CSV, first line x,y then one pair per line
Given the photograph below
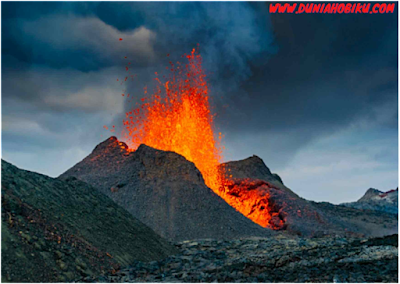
x,y
304,217
277,259
254,168
377,200
163,190
58,231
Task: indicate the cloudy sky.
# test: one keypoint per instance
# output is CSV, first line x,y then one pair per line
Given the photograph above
x,y
315,96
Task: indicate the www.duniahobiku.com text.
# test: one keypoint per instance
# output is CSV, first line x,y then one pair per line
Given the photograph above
x,y
332,8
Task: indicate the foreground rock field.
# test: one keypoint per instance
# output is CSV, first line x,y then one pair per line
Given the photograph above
x,y
275,259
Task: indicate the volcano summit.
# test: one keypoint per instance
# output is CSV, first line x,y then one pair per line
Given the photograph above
x,y
163,190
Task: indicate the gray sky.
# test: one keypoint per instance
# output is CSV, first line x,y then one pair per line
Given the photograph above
x,y
315,96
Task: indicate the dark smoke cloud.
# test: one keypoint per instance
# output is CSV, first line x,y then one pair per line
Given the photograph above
x,y
284,87
314,87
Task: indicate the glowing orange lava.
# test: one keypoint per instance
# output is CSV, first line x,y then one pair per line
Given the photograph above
x,y
251,198
177,118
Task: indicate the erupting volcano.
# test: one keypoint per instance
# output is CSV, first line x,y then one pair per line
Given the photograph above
x,y
177,117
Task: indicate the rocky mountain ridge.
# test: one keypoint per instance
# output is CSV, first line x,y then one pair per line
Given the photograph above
x,y
167,192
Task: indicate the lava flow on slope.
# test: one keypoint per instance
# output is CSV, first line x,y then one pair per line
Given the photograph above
x,y
177,117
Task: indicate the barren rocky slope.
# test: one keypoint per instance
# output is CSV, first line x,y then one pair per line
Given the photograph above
x,y
58,231
163,190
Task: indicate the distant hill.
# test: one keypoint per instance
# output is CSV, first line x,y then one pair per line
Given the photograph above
x,y
163,190
58,231
378,200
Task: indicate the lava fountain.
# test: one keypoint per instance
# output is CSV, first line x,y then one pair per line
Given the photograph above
x,y
177,117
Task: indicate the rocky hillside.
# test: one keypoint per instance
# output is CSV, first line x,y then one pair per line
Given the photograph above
x,y
254,168
58,231
163,190
278,259
378,200
301,216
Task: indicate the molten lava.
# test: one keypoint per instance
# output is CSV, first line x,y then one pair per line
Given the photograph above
x,y
177,117
251,198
